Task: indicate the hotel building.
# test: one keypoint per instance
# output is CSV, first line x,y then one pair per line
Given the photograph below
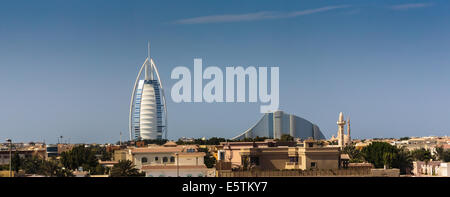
x,y
148,112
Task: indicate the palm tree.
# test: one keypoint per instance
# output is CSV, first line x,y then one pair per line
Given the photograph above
x,y
388,158
16,162
404,160
125,168
439,152
353,153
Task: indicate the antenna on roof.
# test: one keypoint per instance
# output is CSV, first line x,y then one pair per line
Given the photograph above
x,y
148,50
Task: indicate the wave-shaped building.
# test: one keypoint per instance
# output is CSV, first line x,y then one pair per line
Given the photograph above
x,y
148,111
275,124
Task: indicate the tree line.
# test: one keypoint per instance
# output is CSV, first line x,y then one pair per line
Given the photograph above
x,y
382,154
78,157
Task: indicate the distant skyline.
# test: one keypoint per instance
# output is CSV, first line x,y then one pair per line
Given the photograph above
x,y
68,68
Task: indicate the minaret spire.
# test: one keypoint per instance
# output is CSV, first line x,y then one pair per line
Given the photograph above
x,y
348,126
348,131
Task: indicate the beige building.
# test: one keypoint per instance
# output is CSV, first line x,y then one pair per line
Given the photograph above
x,y
231,151
123,154
169,160
4,154
272,155
312,155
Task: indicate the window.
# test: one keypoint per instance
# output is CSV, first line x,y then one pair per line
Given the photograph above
x,y
156,158
310,145
293,159
313,165
172,159
221,155
144,160
164,159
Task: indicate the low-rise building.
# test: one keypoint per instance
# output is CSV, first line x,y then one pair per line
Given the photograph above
x,y
170,159
231,151
122,155
273,155
431,168
4,154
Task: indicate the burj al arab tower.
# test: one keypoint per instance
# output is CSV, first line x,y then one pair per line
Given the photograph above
x,y
148,111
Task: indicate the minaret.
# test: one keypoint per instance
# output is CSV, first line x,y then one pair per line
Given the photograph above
x,y
341,124
349,138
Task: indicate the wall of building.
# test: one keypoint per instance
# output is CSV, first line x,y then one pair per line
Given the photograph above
x,y
151,159
191,160
321,160
273,158
181,173
444,169
120,155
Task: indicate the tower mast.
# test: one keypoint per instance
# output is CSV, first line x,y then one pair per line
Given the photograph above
x,y
146,63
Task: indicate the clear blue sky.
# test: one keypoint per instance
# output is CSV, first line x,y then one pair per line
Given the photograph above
x,y
67,67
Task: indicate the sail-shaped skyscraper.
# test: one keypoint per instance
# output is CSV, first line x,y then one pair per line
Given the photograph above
x,y
148,111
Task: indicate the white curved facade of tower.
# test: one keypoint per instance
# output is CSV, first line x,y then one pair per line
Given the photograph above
x,y
148,111
148,116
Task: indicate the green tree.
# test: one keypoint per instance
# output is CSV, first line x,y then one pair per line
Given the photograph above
x,y
209,160
374,153
99,169
286,138
439,152
4,167
442,154
80,156
32,165
421,154
382,153
106,156
353,153
446,156
16,162
403,160
404,138
388,158
125,169
53,168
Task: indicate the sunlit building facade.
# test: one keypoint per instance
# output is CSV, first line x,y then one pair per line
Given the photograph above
x,y
148,112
